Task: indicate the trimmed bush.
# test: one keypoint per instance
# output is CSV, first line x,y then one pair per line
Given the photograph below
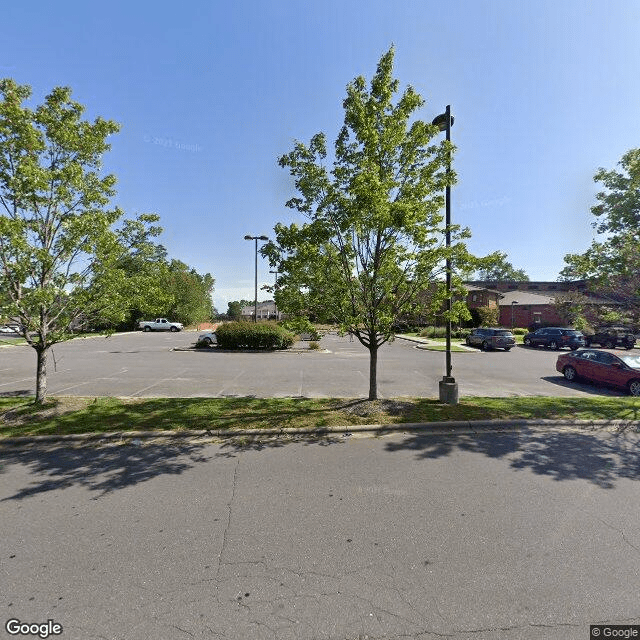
x,y
433,332
519,331
251,335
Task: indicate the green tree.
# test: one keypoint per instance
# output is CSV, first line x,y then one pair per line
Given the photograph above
x,y
497,267
191,293
234,310
58,248
374,238
612,262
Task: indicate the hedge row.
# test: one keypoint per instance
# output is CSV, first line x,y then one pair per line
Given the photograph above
x,y
251,335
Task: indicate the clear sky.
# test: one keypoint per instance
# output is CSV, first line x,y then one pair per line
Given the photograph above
x,y
209,94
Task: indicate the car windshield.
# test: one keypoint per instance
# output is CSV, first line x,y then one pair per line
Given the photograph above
x,y
572,333
502,332
631,361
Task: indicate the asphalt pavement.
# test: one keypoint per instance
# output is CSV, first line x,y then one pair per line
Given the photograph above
x,y
161,365
527,535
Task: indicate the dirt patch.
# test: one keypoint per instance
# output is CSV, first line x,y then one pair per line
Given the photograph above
x,y
369,408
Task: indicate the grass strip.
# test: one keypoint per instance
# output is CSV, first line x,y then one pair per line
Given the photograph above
x,y
67,415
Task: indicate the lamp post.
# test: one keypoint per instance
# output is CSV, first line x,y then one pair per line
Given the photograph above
x,y
275,284
255,300
512,303
448,385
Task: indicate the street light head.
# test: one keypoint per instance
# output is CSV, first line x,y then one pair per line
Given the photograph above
x,y
248,237
441,121
262,238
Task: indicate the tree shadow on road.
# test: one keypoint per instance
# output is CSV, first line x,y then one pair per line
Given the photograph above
x,y
100,469
597,456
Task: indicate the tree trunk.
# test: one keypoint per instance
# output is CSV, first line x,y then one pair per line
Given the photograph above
x,y
373,371
41,376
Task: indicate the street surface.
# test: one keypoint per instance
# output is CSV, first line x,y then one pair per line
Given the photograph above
x,y
145,365
505,536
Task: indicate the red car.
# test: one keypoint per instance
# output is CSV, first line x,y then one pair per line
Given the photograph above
x,y
620,369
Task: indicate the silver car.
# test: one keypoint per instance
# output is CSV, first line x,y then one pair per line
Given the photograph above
x,y
491,338
208,338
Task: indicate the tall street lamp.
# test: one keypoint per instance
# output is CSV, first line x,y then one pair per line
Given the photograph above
x,y
512,303
255,300
448,385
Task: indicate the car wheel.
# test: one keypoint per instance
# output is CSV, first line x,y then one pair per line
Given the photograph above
x,y
573,348
527,342
485,346
629,345
553,345
173,329
608,344
147,329
208,341
569,373
468,342
634,387
507,348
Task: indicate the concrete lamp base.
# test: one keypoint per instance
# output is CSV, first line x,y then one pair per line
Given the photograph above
x,y
448,390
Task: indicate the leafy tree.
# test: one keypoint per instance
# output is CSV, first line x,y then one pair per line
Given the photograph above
x,y
191,293
374,238
234,310
612,262
58,249
497,267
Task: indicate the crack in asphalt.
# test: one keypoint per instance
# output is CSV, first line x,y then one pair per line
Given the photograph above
x,y
230,509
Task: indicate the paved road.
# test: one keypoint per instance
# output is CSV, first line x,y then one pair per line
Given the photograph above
x,y
144,364
512,536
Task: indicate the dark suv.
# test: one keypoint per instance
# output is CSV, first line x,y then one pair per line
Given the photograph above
x,y
491,339
555,338
610,337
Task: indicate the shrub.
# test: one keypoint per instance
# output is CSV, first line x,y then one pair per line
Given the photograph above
x,y
433,332
519,331
251,335
314,345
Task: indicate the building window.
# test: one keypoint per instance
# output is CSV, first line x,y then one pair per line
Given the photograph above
x,y
474,297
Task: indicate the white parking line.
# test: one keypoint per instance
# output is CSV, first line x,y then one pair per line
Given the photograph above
x,y
155,384
6,384
226,386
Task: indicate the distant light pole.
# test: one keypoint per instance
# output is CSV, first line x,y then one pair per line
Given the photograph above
x,y
255,300
275,284
512,303
448,385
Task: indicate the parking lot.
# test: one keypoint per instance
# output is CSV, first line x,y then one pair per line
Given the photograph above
x,y
147,365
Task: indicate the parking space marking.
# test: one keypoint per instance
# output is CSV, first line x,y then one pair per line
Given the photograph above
x,y
5,384
155,384
226,386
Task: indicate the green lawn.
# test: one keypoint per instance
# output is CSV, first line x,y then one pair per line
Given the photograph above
x,y
66,415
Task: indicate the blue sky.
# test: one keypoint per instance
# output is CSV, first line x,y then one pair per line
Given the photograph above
x,y
210,94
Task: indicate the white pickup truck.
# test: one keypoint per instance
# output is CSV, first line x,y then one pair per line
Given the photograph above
x,y
160,324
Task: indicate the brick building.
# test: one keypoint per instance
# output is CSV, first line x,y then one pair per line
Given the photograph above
x,y
531,304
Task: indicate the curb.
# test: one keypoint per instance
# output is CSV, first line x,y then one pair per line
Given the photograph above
x,y
473,427
426,344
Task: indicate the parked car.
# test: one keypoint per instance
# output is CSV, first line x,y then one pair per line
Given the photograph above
x,y
617,369
160,324
208,338
10,328
555,338
491,338
610,337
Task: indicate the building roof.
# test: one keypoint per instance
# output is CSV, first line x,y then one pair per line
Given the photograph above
x,y
545,297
